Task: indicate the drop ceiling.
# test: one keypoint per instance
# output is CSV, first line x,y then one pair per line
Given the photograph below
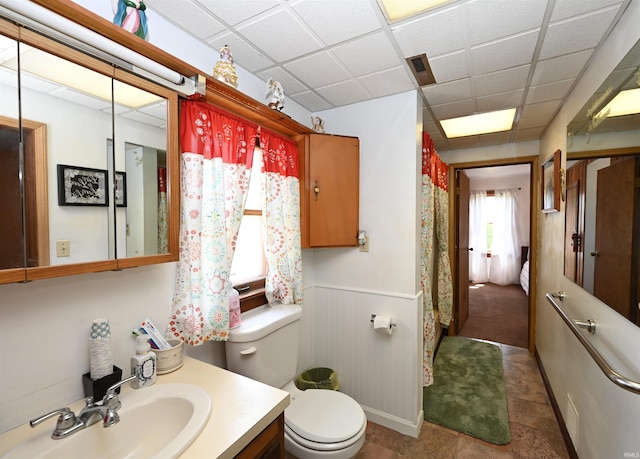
x,y
485,54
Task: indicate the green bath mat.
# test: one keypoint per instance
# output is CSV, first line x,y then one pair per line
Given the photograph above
x,y
468,394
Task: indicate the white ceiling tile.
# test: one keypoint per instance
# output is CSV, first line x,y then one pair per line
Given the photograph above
x,y
547,109
568,36
444,93
501,81
454,109
311,101
449,67
319,69
460,143
495,138
510,52
528,134
532,122
289,84
434,34
566,8
511,99
234,12
243,53
560,68
349,19
347,92
280,35
550,91
201,23
387,82
356,55
490,20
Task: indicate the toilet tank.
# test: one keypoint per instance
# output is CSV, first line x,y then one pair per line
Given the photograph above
x,y
265,346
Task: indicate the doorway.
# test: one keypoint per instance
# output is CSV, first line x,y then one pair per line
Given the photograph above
x,y
494,295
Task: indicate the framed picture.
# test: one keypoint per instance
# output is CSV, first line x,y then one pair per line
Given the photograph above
x,y
80,186
550,197
121,189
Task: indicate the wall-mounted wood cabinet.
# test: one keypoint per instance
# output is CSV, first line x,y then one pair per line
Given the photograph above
x,y
329,190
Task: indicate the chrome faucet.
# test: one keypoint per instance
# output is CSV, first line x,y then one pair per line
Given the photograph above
x,y
69,423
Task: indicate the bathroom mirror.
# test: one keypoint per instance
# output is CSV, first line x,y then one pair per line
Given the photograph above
x,y
602,218
76,200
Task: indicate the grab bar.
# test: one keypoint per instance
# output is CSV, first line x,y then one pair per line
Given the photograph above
x,y
614,376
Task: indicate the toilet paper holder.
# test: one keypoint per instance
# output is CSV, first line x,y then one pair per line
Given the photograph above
x,y
373,316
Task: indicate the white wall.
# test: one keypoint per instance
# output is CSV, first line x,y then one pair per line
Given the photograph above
x,y
607,415
343,286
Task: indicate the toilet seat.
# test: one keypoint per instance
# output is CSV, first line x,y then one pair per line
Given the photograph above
x,y
323,419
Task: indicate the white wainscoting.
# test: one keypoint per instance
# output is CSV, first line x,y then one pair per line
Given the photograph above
x,y
382,373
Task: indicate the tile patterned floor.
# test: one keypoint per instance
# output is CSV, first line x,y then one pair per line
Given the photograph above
x,y
534,430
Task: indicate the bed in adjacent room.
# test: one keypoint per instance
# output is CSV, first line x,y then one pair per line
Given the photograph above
x,y
524,272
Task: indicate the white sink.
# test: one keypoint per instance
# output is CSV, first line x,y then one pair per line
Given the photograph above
x,y
157,421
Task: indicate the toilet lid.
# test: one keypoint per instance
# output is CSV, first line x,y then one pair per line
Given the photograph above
x,y
324,416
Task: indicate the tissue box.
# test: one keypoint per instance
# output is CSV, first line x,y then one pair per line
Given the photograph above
x,y
168,360
98,388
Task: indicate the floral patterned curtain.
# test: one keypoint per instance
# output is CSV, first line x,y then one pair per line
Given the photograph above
x,y
163,230
217,151
434,240
281,219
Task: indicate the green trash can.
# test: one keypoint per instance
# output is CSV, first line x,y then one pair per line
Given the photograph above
x,y
317,378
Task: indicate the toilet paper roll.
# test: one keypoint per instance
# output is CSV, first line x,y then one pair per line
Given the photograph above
x,y
383,324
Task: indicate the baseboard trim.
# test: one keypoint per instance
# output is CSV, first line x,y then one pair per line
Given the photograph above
x,y
556,410
395,423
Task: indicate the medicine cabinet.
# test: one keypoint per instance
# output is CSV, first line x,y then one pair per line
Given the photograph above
x,y
89,163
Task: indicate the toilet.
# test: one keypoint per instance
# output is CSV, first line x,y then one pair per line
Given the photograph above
x,y
319,423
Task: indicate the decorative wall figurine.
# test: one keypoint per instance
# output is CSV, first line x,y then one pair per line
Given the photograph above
x,y
131,16
224,70
275,94
318,124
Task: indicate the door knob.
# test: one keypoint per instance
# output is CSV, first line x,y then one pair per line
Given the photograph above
x,y
595,254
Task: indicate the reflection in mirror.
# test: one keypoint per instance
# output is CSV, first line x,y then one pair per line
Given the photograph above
x,y
602,226
11,228
141,163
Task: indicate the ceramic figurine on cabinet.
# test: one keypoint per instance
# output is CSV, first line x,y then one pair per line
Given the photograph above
x,y
318,124
275,94
131,16
224,70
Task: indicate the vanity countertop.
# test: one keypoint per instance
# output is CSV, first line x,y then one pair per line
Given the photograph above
x,y
241,408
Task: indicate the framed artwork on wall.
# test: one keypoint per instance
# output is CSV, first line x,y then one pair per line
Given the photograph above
x,y
81,186
550,189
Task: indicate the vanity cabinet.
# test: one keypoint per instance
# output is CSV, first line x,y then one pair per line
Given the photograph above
x,y
329,190
269,444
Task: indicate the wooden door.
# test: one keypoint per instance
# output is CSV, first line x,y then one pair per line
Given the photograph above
x,y
11,241
462,249
574,223
615,214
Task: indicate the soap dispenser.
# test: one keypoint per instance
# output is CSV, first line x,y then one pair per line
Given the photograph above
x,y
143,364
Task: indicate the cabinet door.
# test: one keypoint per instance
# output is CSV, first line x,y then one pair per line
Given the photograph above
x,y
332,191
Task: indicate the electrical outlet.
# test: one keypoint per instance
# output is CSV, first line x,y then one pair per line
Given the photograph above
x,y
365,247
63,248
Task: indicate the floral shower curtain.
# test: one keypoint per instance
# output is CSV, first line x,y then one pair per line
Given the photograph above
x,y
281,219
434,240
217,151
163,230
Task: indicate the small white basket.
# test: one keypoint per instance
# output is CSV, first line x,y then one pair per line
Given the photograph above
x,y
168,360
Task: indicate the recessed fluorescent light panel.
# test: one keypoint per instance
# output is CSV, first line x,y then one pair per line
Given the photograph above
x,y
400,9
483,123
625,103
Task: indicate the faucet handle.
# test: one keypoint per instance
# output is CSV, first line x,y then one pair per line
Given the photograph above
x,y
66,418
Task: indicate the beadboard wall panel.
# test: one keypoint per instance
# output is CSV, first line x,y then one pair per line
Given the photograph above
x,y
381,372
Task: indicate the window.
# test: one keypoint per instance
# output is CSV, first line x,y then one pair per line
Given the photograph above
x,y
490,209
249,261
